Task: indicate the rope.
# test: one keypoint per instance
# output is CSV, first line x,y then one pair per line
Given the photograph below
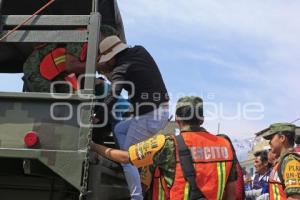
x,y
26,20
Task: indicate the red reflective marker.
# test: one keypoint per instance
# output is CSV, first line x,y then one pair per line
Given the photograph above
x,y
31,139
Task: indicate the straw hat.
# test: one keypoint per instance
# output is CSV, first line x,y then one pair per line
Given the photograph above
x,y
109,47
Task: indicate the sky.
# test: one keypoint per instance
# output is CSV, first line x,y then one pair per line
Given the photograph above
x,y
242,57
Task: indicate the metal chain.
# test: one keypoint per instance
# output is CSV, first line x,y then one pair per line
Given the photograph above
x,y
83,190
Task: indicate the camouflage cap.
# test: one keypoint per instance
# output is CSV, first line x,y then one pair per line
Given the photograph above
x,y
107,30
189,101
192,102
277,128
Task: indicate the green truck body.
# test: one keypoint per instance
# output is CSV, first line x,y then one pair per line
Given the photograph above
x,y
54,167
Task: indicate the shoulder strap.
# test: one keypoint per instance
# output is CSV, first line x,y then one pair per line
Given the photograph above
x,y
188,169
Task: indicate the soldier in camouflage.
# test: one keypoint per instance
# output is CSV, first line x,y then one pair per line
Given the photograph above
x,y
36,74
284,181
160,154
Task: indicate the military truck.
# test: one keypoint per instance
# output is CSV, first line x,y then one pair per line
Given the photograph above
x,y
44,137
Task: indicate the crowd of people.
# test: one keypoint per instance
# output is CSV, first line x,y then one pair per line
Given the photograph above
x,y
277,170
195,164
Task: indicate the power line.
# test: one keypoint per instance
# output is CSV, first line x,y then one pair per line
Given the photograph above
x,y
295,120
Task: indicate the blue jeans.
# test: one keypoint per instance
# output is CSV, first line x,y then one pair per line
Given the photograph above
x,y
133,131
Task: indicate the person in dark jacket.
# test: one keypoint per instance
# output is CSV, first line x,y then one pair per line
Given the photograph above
x,y
134,70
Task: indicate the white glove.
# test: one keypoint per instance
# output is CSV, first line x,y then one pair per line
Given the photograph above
x,y
253,193
265,196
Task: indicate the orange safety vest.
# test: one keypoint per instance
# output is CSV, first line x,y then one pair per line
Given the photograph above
x,y
276,190
212,157
276,186
54,64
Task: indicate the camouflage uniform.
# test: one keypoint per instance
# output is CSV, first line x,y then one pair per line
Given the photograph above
x,y
35,82
165,159
290,172
32,77
162,154
288,165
